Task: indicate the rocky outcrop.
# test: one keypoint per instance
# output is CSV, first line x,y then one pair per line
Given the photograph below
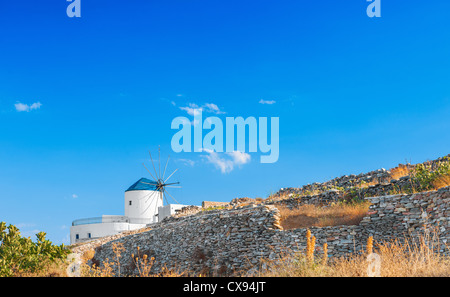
x,y
379,182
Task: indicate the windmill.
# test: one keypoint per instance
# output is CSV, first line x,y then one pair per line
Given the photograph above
x,y
160,181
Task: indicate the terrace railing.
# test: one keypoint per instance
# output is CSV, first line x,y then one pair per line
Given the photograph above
x,y
99,220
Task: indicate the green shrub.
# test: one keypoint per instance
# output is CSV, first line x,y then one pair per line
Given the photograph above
x,y
20,255
424,177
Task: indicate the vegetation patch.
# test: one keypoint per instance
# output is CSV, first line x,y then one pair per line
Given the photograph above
x,y
20,256
416,257
321,216
425,178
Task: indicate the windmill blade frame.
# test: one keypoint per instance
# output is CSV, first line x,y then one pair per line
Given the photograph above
x,y
148,171
151,159
160,182
171,196
171,175
164,173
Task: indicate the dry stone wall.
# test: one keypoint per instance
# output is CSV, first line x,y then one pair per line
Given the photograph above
x,y
395,217
218,241
381,182
211,204
226,242
392,216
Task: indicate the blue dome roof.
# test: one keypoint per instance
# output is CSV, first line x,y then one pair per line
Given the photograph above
x,y
144,184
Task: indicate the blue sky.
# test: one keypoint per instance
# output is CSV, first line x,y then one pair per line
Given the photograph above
x,y
83,100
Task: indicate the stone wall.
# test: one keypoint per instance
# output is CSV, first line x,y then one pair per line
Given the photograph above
x,y
210,204
396,217
217,241
324,198
335,195
381,182
390,217
225,242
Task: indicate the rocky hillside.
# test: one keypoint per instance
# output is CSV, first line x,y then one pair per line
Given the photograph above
x,y
403,179
377,178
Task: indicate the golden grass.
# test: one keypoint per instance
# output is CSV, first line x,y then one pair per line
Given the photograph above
x,y
369,246
441,182
363,185
400,171
310,247
50,269
310,215
419,258
142,262
88,255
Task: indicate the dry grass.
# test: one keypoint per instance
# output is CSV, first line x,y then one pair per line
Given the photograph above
x,y
309,215
88,255
414,259
441,182
363,185
51,269
398,260
141,261
400,171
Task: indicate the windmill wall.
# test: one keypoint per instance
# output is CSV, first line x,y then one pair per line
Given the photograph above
x,y
229,241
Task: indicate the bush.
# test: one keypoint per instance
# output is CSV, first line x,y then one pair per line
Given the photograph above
x,y
20,255
425,178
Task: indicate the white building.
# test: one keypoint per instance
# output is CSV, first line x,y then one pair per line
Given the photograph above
x,y
143,202
168,210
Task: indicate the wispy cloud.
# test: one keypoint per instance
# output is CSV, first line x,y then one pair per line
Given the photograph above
x,y
25,107
193,109
269,102
29,233
226,165
213,108
240,158
74,196
186,162
66,239
25,225
28,229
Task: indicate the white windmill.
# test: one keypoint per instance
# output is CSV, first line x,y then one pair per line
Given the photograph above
x,y
143,205
144,200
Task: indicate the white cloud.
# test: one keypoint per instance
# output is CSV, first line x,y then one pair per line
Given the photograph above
x,y
226,165
22,107
25,225
190,111
213,108
25,107
74,196
193,109
66,239
187,162
240,158
30,233
270,102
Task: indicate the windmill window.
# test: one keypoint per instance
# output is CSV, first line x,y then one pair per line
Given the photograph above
x,y
89,235
130,202
77,236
